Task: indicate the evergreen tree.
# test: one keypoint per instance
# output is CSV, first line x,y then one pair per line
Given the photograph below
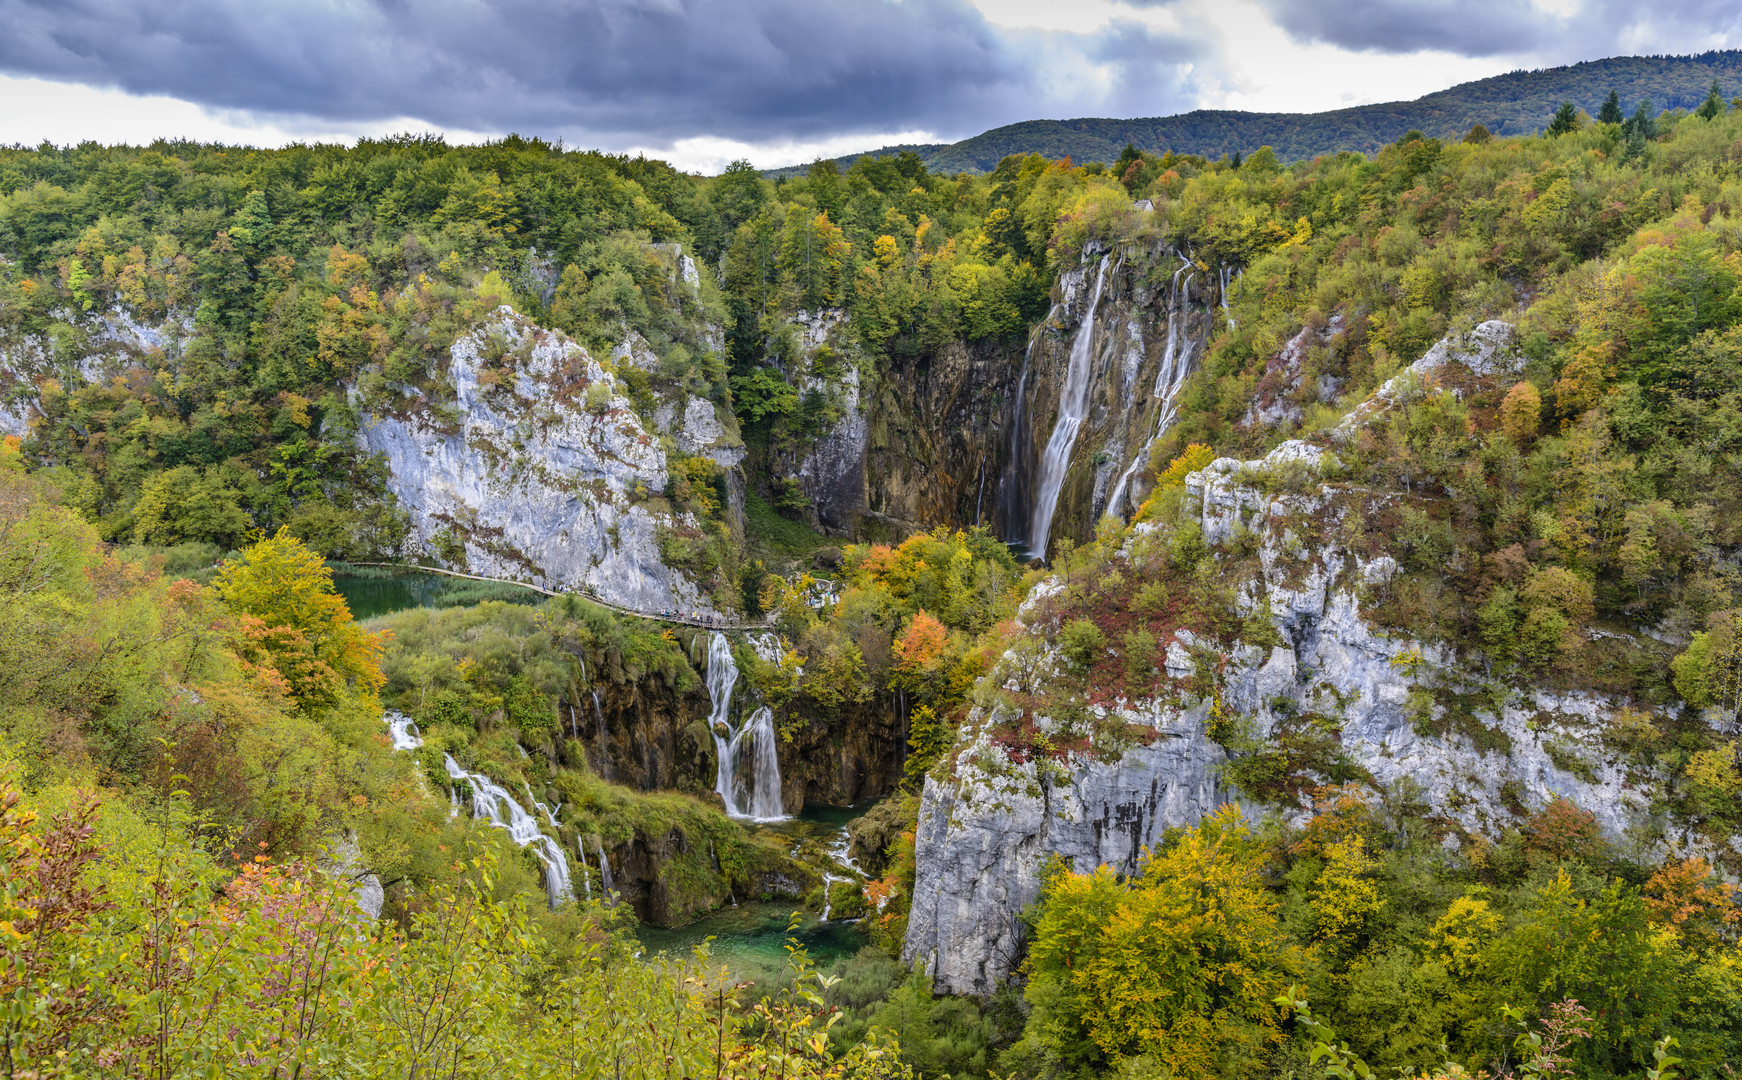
x,y
1611,112
1713,106
1640,128
1566,120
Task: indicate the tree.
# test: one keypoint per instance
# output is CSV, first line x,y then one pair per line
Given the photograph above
x,y
1521,413
1181,964
1565,122
1641,127
1713,106
1611,111
180,504
301,626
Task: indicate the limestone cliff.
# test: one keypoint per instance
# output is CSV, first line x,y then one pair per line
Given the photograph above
x,y
538,467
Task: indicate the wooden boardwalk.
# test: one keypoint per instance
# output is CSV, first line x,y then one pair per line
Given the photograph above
x,y
679,618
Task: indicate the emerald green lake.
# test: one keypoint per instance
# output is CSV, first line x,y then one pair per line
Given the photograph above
x,y
750,939
370,596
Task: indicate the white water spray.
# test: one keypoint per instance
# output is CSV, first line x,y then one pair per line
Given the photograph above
x,y
605,872
402,729
1073,403
491,802
762,802
1176,365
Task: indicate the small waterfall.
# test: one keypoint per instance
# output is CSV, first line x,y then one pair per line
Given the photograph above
x,y
980,499
403,731
491,802
828,888
604,747
1073,403
586,871
767,646
763,800
609,886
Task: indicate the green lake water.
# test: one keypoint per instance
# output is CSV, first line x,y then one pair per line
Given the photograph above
x,y
750,939
368,597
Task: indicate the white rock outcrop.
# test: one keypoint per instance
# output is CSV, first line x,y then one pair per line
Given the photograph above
x,y
539,469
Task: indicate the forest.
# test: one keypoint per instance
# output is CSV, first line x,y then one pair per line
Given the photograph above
x,y
196,765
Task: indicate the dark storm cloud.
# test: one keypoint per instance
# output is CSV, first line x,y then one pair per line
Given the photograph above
x,y
646,69
1511,27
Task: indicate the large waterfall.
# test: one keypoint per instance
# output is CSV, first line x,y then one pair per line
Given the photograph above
x,y
491,802
1073,403
1176,364
762,801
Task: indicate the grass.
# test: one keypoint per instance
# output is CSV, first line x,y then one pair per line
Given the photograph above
x,y
770,536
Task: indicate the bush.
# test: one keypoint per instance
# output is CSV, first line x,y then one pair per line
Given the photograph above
x,y
1082,642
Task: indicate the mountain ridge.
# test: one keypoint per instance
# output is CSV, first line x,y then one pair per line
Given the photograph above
x,y
1516,103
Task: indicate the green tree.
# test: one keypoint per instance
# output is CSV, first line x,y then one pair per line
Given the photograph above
x,y
1713,106
1565,122
1611,112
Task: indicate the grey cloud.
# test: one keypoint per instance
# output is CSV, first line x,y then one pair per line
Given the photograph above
x,y
648,70
1511,27
1466,27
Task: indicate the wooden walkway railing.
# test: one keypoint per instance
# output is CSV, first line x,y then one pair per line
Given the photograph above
x,y
700,621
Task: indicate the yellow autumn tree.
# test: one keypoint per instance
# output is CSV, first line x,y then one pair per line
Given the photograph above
x,y
1181,964
293,621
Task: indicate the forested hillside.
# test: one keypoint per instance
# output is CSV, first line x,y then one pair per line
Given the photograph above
x,y
1517,103
1368,701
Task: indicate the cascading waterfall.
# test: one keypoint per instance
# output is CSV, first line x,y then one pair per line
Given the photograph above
x,y
491,802
605,881
1176,365
402,729
586,871
1073,403
762,802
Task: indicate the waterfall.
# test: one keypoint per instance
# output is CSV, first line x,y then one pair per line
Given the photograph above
x,y
1073,402
980,499
403,731
763,800
586,873
604,747
1176,364
767,646
608,885
491,802
1016,468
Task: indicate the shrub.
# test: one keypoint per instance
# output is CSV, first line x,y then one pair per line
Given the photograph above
x,y
1082,642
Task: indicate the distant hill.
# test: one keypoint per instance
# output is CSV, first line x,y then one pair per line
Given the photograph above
x,y
1519,103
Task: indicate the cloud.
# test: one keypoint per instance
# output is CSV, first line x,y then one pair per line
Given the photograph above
x,y
650,72
1549,30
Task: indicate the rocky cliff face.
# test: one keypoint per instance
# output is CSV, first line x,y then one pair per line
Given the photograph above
x,y
953,434
539,468
988,826
103,345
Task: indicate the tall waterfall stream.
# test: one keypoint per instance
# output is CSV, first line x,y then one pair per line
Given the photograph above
x,y
1073,403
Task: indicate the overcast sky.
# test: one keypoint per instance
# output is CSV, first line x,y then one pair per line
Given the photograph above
x,y
701,82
